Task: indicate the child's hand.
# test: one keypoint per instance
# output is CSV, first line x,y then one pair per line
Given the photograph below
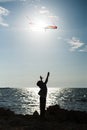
x,y
48,73
41,77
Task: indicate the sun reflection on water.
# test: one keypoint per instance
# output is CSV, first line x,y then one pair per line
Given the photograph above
x,y
28,99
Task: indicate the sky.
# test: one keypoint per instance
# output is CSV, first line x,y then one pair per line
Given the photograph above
x,y
28,50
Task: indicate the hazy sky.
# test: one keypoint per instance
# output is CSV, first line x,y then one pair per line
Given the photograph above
x,y
26,52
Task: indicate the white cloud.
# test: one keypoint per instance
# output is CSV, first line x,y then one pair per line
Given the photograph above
x,y
44,11
3,12
84,49
43,7
75,44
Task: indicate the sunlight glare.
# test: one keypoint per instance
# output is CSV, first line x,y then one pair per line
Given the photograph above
x,y
38,26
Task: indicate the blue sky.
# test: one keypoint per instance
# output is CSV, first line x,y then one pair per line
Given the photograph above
x,y
25,53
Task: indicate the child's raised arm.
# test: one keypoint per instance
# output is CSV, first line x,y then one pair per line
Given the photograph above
x,y
47,78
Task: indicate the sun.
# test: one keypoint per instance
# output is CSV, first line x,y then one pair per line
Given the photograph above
x,y
38,26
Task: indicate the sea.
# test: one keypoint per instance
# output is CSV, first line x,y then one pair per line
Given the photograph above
x,y
26,100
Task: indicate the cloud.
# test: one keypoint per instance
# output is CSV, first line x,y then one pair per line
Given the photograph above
x,y
43,7
75,44
3,12
43,10
84,49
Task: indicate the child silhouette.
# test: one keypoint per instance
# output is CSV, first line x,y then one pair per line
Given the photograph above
x,y
43,94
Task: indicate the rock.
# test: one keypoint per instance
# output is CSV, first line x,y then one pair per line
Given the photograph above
x,y
35,113
6,112
56,118
65,115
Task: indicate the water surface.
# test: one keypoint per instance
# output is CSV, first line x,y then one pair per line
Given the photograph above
x,y
26,100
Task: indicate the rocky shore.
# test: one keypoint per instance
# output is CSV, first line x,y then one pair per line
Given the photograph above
x,y
56,119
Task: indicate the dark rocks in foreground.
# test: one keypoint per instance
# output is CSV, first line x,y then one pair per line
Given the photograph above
x,y
65,115
56,119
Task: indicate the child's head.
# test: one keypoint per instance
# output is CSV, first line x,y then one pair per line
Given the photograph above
x,y
40,84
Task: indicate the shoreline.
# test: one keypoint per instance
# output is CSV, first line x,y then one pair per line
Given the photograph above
x,y
56,119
